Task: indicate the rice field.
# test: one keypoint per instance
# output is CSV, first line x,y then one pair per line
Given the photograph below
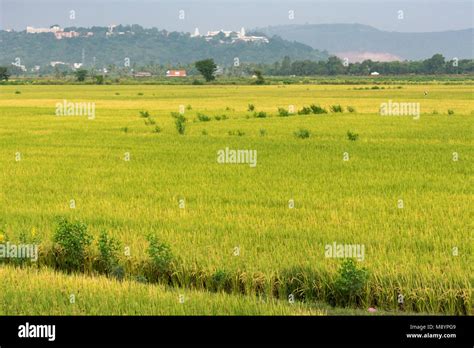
x,y
403,190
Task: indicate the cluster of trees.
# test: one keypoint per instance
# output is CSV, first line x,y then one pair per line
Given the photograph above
x,y
335,66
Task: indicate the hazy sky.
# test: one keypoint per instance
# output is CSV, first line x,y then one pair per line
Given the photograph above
x,y
418,15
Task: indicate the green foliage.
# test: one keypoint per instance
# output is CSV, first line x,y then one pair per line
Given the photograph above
x,y
283,112
305,111
4,75
263,132
250,107
108,252
260,114
157,129
81,75
238,132
450,112
207,68
180,122
150,121
336,108
350,282
159,253
260,80
302,133
316,109
17,92
352,136
71,240
144,114
203,118
99,79
351,109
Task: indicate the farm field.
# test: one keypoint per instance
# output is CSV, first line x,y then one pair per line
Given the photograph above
x,y
402,194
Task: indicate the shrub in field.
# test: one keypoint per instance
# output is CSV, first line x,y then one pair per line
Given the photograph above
x,y
180,122
450,112
124,129
352,136
71,240
283,112
108,252
350,282
204,132
263,132
217,118
435,112
203,118
189,107
17,92
157,129
337,108
160,254
351,109
260,114
237,132
150,121
140,93
305,111
316,109
221,281
251,107
302,133
144,114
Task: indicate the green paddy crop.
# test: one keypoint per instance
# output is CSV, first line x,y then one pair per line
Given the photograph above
x,y
405,191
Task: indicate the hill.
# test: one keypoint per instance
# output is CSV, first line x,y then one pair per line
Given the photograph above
x,y
358,41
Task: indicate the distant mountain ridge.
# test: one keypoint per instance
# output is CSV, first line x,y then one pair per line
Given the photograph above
x,y
358,38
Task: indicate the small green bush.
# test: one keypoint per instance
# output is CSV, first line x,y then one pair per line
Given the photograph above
x,y
159,253
450,112
203,118
337,108
150,121
180,122
305,111
263,132
351,109
316,109
157,129
144,114
302,133
350,282
251,107
352,136
108,252
71,240
283,112
260,114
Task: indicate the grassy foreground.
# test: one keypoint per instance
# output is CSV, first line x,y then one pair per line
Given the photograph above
x,y
408,251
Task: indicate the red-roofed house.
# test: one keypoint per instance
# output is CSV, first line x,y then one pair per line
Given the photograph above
x,y
176,73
